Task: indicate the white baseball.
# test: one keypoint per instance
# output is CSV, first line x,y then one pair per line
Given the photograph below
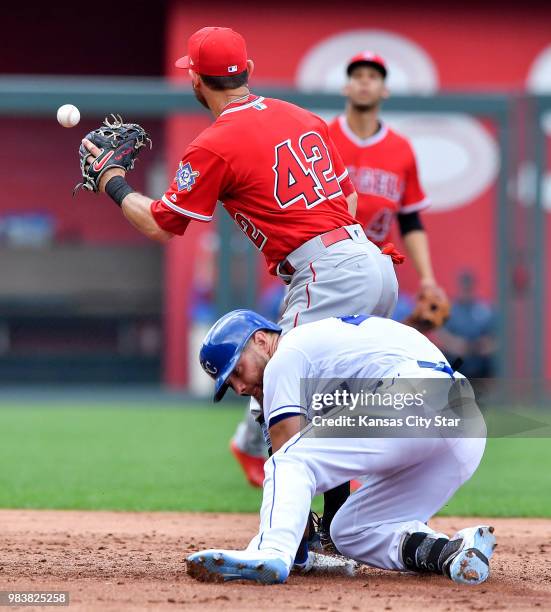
x,y
68,115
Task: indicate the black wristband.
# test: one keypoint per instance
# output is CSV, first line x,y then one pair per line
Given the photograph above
x,y
117,189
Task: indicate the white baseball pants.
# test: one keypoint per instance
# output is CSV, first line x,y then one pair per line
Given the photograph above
x,y
406,481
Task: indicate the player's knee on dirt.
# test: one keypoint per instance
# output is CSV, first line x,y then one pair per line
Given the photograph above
x,y
424,552
344,535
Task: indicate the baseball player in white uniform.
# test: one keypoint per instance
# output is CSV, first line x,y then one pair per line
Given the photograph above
x,y
407,479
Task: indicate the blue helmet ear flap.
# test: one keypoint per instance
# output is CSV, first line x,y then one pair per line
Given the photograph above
x,y
225,342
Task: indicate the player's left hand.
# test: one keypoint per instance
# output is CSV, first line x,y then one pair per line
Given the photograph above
x,y
109,173
113,146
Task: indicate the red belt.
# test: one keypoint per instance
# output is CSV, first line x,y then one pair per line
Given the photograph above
x,y
327,239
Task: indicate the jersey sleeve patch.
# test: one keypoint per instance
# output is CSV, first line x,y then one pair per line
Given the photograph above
x,y
186,176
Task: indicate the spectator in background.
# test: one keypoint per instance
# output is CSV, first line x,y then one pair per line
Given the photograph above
x,y
469,333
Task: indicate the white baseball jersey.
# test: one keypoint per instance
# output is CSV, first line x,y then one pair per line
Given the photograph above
x,y
362,348
406,479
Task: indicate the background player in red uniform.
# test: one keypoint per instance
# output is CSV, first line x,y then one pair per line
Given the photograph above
x,y
277,173
381,164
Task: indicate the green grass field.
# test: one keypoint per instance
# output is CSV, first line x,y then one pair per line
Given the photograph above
x,y
164,458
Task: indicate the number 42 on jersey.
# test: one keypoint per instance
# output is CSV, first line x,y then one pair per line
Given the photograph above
x,y
304,172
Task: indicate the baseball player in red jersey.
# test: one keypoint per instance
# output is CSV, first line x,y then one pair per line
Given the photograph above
x,y
381,164
275,170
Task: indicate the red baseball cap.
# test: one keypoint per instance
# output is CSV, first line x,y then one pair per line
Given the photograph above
x,y
369,58
215,51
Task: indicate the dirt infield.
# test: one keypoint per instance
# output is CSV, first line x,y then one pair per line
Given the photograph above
x,y
117,561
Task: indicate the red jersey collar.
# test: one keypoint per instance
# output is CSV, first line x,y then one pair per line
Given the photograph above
x,y
251,100
380,135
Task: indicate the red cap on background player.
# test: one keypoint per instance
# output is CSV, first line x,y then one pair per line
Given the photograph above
x,y
367,58
215,52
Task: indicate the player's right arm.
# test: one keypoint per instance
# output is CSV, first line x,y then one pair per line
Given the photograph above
x,y
284,430
137,209
201,177
135,206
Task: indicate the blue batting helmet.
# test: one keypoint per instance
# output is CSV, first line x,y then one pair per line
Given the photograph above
x,y
225,342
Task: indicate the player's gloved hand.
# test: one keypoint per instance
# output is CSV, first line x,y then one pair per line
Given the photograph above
x,y
113,145
432,309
